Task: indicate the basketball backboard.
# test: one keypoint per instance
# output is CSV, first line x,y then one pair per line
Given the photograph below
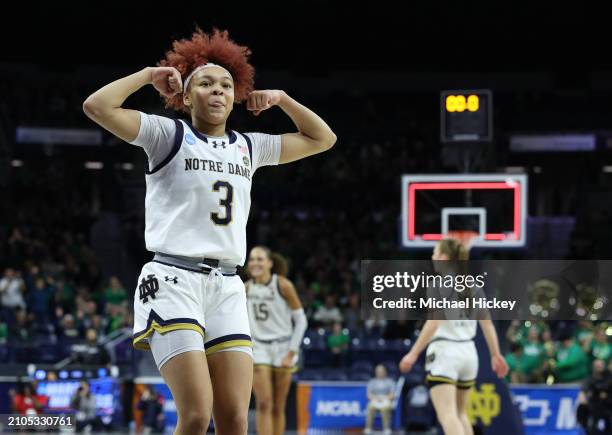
x,y
492,205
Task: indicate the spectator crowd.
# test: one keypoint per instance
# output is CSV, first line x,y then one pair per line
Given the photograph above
x,y
535,355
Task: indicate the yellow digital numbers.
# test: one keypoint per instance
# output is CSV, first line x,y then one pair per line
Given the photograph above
x,y
458,103
473,103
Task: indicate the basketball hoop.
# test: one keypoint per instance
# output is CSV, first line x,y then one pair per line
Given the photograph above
x,y
435,206
466,238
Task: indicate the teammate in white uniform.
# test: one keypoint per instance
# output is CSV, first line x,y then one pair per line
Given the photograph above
x,y
278,324
190,307
451,357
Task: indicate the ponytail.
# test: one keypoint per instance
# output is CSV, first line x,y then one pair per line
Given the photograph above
x,y
280,264
458,254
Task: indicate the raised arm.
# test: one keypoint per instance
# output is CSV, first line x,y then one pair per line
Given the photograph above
x,y
498,363
104,105
314,135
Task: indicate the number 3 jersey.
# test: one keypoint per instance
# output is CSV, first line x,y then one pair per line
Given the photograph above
x,y
269,313
199,187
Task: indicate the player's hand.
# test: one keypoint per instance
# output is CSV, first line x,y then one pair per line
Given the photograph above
x,y
499,365
167,80
259,101
407,362
288,359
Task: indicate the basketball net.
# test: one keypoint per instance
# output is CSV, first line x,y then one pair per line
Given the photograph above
x,y
465,237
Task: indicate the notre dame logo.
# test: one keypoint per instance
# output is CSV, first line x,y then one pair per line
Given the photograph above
x,y
430,358
148,287
484,404
245,159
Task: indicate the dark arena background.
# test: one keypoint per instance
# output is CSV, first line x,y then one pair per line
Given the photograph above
x,y
487,118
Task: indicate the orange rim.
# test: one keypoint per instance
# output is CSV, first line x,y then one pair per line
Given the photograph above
x,y
466,238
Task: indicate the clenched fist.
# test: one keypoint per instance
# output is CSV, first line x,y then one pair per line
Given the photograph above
x,y
259,101
167,80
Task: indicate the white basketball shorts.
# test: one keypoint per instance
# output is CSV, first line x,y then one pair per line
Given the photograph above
x,y
272,354
169,298
451,362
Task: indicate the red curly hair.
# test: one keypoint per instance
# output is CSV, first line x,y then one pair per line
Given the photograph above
x,y
187,54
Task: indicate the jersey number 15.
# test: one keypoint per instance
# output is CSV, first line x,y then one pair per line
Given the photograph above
x,y
261,311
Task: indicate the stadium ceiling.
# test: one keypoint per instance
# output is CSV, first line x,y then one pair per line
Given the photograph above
x,y
316,36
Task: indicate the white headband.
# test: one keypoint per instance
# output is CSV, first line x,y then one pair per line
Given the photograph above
x,y
206,65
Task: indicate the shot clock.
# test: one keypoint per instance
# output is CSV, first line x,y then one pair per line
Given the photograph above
x,y
466,116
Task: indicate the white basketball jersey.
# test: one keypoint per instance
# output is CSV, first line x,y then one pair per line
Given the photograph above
x,y
456,330
198,198
269,313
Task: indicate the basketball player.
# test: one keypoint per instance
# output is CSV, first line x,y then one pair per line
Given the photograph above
x,y
451,358
278,324
190,306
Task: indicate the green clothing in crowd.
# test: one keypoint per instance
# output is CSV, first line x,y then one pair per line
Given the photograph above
x,y
572,363
583,334
114,297
514,365
534,356
337,341
601,351
115,323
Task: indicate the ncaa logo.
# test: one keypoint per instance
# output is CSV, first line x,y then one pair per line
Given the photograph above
x,y
190,139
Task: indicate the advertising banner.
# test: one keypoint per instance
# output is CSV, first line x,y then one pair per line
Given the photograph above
x,y
547,409
336,405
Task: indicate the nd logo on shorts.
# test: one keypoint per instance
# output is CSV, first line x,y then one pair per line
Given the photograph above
x,y
190,139
430,358
149,285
